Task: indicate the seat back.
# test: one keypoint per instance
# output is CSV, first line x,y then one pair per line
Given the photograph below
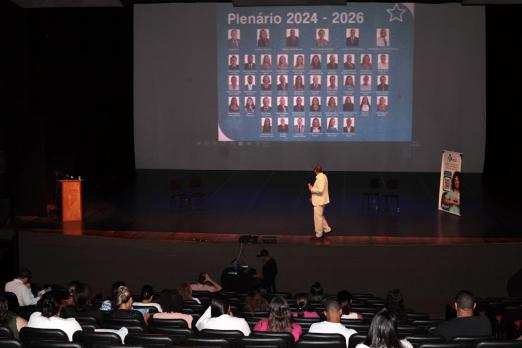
x,y
417,341
178,335
5,332
500,344
10,343
53,344
356,339
89,339
232,336
320,344
31,334
204,342
264,342
323,340
305,323
149,340
179,323
287,336
441,345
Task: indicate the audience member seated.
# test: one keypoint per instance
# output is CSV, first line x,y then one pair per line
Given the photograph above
x,y
255,302
185,291
345,300
71,288
465,324
383,332
279,319
122,301
107,304
332,324
49,317
316,292
9,319
147,295
81,297
303,307
21,287
205,283
395,304
172,303
219,317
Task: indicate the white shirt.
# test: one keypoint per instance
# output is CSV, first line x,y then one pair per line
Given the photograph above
x,y
382,65
22,292
332,328
319,191
223,322
383,41
352,315
69,325
404,343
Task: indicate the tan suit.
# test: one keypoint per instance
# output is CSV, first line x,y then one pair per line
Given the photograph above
x,y
320,198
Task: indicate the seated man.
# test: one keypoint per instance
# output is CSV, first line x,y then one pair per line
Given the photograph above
x,y
332,325
465,324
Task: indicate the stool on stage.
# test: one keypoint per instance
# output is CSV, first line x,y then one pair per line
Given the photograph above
x,y
372,196
391,197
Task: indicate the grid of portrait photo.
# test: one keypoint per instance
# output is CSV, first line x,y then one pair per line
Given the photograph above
x,y
307,85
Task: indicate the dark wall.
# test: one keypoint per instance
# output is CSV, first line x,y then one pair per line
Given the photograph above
x,y
70,99
503,80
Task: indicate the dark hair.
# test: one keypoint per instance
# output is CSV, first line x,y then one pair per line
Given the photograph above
x,y
464,299
202,278
122,295
51,304
332,305
4,310
382,332
255,302
395,304
316,289
219,306
117,284
81,295
185,291
345,300
147,292
302,300
280,318
71,288
318,169
455,175
171,301
25,273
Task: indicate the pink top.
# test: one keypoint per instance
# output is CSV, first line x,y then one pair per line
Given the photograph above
x,y
306,314
202,287
163,315
262,325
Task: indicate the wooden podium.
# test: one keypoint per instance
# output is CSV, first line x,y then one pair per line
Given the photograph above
x,y
71,200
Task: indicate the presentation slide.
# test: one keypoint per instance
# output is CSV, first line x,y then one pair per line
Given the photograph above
x,y
328,73
217,89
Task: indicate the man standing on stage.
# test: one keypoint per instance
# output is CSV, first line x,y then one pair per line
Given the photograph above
x,y
269,272
319,199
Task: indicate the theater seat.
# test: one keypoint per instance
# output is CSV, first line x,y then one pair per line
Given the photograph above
x,y
287,336
500,344
10,343
52,344
323,340
149,340
356,339
178,335
204,342
179,323
89,339
30,334
265,342
417,341
5,332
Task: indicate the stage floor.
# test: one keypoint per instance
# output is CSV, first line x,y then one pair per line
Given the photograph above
x,y
276,203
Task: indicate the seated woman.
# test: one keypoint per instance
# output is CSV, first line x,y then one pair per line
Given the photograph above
x,y
49,317
81,297
219,317
345,300
147,295
303,306
122,301
255,302
171,302
383,333
279,319
395,304
9,319
186,292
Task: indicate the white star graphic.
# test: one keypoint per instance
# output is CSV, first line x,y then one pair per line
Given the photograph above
x,y
396,13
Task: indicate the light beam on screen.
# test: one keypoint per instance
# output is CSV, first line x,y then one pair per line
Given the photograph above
x,y
323,73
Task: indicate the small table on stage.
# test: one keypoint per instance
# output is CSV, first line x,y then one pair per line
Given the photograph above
x,y
71,200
